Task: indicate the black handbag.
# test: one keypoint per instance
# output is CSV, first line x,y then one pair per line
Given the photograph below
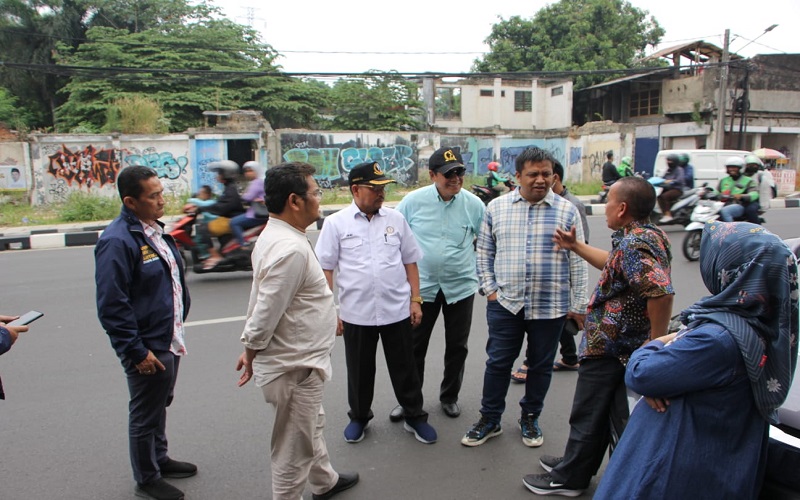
x,y
260,210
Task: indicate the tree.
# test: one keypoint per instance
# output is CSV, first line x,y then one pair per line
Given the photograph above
x,y
572,35
210,64
376,102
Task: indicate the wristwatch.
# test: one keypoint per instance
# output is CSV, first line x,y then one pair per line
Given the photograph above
x,y
418,300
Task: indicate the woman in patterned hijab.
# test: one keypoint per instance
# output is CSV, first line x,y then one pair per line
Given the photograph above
x,y
713,388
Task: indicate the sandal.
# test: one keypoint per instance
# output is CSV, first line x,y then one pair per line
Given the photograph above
x,y
520,375
560,366
211,263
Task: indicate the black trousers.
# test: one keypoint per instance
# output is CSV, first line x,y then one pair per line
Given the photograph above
x,y
147,415
360,347
599,414
457,323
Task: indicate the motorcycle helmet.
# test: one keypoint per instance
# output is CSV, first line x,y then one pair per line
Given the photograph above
x,y
683,159
735,161
673,160
226,168
626,161
754,160
493,166
251,165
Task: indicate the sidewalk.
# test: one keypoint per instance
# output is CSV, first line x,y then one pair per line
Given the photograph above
x,y
87,233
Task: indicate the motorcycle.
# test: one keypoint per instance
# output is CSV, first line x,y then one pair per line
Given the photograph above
x,y
487,194
602,195
707,210
682,208
234,257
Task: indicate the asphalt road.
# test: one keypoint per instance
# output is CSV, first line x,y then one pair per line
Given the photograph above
x,y
63,424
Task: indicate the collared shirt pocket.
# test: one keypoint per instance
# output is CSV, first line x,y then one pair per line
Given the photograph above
x,y
460,235
350,241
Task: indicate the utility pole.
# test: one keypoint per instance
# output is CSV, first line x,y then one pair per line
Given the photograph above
x,y
745,100
723,90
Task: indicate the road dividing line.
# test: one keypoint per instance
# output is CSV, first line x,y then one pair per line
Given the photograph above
x,y
215,321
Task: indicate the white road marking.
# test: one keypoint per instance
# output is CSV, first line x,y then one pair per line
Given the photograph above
x,y
230,319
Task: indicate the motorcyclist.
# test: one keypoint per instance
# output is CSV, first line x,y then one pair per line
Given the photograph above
x,y
688,170
610,173
494,180
625,167
672,187
228,205
754,168
741,193
253,194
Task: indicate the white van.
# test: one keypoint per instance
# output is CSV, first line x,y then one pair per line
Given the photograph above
x,y
709,164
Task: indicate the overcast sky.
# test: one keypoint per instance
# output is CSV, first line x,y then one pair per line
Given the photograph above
x,y
359,35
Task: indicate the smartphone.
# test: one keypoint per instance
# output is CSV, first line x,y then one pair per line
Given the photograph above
x,y
27,318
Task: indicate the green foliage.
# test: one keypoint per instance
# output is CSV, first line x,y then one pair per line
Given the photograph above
x,y
572,35
81,207
179,55
376,102
135,115
11,113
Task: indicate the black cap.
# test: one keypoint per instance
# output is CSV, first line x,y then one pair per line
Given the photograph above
x,y
444,160
368,173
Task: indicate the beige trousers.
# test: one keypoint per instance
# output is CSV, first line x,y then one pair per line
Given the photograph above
x,y
297,448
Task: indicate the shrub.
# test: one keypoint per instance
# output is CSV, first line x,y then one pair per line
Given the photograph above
x,y
81,207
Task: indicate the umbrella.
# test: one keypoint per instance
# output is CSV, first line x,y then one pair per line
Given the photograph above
x,y
768,154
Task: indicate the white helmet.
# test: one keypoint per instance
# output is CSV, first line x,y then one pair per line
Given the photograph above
x,y
252,165
735,161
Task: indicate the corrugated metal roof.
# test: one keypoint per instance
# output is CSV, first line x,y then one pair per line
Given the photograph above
x,y
691,49
628,78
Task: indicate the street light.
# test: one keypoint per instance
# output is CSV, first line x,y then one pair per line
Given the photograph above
x,y
759,36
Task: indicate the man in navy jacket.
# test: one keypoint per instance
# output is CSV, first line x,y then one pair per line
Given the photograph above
x,y
142,302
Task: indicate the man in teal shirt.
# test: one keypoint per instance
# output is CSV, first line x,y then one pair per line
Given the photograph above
x,y
445,220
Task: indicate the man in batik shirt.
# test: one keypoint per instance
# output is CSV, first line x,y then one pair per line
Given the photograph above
x,y
631,304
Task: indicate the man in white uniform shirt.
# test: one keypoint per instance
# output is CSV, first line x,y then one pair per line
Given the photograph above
x,y
376,256
289,334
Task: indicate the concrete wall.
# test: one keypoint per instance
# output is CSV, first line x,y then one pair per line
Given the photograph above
x,y
333,154
681,95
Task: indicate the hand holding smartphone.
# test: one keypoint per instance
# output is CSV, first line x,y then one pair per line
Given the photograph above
x,y
27,318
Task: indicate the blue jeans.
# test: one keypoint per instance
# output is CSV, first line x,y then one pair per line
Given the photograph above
x,y
507,332
242,223
735,211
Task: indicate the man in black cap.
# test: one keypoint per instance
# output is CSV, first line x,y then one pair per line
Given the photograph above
x,y
445,220
376,255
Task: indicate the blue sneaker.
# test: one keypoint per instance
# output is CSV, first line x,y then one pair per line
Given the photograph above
x,y
480,432
422,431
355,430
531,433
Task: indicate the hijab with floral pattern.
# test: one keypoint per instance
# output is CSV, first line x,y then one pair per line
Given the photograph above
x,y
752,276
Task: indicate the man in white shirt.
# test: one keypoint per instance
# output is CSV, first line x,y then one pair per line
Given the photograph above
x,y
376,256
289,334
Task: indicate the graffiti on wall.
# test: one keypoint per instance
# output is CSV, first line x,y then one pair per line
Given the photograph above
x,y
333,163
165,164
87,167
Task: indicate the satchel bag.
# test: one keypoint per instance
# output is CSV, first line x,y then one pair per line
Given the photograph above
x,y
260,210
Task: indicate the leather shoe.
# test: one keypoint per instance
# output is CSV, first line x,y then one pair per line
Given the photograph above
x,y
346,481
158,490
397,414
174,469
451,409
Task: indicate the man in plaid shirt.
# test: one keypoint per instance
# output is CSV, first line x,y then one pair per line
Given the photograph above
x,y
531,289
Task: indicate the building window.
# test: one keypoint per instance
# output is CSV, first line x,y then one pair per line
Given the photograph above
x,y
557,91
645,100
447,104
487,93
502,93
523,100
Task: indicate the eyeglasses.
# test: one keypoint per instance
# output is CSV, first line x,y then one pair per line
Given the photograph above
x,y
315,194
376,189
456,171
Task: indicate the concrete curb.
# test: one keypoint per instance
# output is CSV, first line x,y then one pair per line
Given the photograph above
x,y
73,235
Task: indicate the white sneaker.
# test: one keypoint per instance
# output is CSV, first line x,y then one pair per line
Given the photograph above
x,y
666,219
